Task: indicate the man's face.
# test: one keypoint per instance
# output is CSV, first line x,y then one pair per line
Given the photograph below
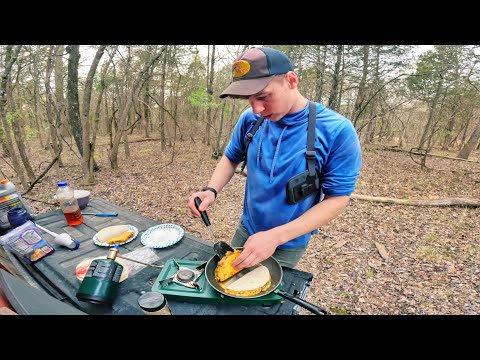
x,y
275,100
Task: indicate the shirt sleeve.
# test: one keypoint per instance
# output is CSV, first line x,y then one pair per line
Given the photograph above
x,y
340,173
235,149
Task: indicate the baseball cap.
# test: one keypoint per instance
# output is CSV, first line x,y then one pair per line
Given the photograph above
x,y
254,69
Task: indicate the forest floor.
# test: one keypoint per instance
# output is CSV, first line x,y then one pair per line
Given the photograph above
x,y
431,263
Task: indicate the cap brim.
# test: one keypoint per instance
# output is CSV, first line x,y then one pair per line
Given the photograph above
x,y
246,87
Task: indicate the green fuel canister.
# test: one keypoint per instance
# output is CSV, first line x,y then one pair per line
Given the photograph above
x,y
100,284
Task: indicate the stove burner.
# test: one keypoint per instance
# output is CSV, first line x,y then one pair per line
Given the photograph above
x,y
185,275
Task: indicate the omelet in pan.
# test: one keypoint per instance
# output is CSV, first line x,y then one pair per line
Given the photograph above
x,y
224,269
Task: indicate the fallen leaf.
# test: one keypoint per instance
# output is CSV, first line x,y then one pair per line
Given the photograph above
x,y
381,249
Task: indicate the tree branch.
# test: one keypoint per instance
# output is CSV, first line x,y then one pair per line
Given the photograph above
x,y
411,202
43,173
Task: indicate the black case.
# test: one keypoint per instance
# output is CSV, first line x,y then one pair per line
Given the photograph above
x,y
301,186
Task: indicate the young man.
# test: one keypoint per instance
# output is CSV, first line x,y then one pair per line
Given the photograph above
x,y
287,197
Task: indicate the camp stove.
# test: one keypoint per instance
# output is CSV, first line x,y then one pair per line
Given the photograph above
x,y
185,276
185,280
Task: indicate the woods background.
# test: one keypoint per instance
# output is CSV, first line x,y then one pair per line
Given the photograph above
x,y
171,91
142,126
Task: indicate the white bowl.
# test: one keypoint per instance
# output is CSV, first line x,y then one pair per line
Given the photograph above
x,y
82,196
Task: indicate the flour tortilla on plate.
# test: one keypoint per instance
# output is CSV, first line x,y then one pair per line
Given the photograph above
x,y
83,266
109,232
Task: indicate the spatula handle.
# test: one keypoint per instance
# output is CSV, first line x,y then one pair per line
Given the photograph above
x,y
46,230
204,215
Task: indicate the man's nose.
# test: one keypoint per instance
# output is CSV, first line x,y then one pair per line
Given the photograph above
x,y
257,106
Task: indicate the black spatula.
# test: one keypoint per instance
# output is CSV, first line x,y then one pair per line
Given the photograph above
x,y
220,247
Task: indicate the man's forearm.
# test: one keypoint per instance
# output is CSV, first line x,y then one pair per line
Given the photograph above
x,y
222,174
318,216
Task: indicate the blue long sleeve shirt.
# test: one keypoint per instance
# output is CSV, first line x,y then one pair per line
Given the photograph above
x,y
277,153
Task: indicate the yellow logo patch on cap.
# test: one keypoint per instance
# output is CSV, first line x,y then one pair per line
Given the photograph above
x,y
240,68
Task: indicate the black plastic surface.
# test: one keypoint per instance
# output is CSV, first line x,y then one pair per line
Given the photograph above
x,y
56,273
26,300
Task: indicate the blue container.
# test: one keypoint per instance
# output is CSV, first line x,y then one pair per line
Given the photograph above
x,y
9,198
18,216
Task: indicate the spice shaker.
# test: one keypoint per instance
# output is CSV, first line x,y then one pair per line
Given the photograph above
x,y
154,303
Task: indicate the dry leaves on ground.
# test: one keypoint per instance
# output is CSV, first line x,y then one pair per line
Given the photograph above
x,y
428,258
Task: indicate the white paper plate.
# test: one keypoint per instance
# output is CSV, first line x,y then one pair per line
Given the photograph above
x,y
162,235
130,227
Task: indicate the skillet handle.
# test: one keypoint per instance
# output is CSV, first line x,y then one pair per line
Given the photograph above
x,y
303,303
205,219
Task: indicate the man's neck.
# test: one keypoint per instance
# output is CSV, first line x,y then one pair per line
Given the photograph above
x,y
299,104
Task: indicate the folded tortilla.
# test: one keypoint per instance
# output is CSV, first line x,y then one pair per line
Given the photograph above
x,y
252,283
110,232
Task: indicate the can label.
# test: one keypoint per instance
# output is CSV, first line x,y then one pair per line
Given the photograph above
x,y
8,197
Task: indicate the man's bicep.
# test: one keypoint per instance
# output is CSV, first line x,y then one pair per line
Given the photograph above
x,y
340,174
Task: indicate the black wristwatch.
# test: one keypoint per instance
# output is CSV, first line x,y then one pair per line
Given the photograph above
x,y
210,189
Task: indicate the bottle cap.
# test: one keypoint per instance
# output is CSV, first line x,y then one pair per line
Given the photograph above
x,y
152,301
62,183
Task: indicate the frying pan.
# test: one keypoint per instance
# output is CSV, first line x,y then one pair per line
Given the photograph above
x,y
276,273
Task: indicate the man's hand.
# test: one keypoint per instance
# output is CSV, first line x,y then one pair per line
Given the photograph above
x,y
207,198
258,247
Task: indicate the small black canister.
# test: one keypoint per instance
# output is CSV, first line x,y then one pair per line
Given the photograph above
x,y
154,303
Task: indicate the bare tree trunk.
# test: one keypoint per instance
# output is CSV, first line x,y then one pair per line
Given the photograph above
x,y
35,73
361,88
126,147
230,128
72,95
113,154
428,126
320,71
465,131
370,131
342,81
146,107
11,55
162,101
61,124
217,151
471,143
99,103
87,159
52,125
333,99
17,134
175,107
210,92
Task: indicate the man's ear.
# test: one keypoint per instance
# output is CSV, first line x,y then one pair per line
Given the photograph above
x,y
292,79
